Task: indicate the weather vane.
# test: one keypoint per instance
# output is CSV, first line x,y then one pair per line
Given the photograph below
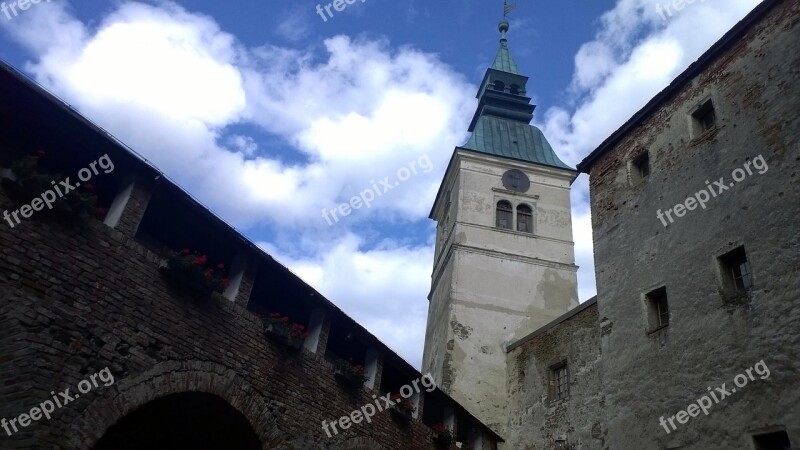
x,y
507,8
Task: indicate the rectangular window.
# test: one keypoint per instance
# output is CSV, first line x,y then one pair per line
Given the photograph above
x,y
657,308
504,215
704,118
524,219
642,164
736,272
778,440
559,382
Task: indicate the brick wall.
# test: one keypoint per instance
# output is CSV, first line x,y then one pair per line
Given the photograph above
x,y
79,297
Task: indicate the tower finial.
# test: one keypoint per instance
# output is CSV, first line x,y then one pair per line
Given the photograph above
x,y
507,8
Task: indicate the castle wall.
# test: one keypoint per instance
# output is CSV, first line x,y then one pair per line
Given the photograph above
x,y
714,334
536,417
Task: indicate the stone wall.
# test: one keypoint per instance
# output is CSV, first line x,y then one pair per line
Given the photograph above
x,y
492,286
536,419
711,337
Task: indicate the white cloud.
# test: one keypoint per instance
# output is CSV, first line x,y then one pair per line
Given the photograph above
x,y
169,82
384,289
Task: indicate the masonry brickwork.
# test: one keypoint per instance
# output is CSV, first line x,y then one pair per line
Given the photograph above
x,y
80,295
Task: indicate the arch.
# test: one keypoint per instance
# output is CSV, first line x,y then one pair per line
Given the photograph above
x,y
360,443
504,214
175,377
524,218
514,89
499,86
186,420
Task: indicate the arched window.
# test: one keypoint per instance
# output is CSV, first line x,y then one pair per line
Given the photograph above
x,y
514,89
504,214
524,219
499,86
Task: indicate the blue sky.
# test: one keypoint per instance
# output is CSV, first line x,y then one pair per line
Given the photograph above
x,y
268,114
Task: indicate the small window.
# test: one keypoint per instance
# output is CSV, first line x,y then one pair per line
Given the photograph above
x,y
504,214
514,89
499,86
524,219
657,308
559,382
778,440
736,272
642,165
705,117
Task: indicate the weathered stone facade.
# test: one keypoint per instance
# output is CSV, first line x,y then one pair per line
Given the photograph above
x,y
80,295
469,322
715,331
537,417
671,325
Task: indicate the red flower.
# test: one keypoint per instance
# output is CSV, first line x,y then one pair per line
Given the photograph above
x,y
185,251
284,319
440,428
89,187
226,282
101,212
220,266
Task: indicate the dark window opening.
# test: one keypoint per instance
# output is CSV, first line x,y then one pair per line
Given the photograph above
x,y
514,89
778,440
705,117
642,164
736,272
657,308
499,86
504,215
524,219
559,382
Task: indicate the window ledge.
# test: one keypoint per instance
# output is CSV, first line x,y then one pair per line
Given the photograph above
x,y
657,329
737,297
705,135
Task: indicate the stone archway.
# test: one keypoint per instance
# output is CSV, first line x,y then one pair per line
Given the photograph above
x,y
360,443
189,420
178,377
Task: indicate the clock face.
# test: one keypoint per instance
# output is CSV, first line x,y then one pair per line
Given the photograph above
x,y
515,180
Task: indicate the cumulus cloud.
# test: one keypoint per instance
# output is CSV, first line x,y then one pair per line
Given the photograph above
x,y
174,86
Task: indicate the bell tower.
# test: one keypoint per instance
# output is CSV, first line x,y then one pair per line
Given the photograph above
x,y
504,263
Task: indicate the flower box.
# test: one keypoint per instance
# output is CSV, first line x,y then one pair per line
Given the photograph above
x,y
442,435
402,413
350,378
402,408
279,329
355,375
200,291
24,183
189,270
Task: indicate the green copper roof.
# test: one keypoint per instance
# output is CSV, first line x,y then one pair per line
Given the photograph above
x,y
503,61
512,139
